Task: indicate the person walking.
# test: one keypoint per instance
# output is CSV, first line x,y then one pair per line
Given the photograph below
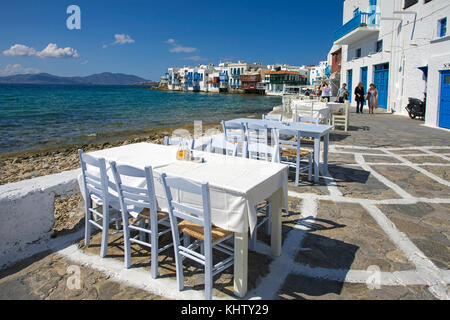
x,y
342,93
372,98
326,92
359,97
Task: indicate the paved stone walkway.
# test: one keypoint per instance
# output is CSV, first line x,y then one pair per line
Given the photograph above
x,y
376,227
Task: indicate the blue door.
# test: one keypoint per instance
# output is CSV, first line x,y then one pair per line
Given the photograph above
x,y
444,104
349,84
381,81
364,79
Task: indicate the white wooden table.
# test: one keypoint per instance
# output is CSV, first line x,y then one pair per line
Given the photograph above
x,y
237,185
316,131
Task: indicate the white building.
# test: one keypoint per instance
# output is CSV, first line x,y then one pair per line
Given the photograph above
x,y
403,47
235,70
319,73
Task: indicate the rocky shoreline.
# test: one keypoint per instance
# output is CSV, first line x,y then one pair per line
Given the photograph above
x,y
36,163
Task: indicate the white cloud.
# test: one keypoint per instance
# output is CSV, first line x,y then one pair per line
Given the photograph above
x,y
179,48
11,69
20,50
51,51
194,58
122,39
182,49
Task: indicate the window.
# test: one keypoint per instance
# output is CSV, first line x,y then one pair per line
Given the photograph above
x,y
358,53
379,46
409,3
442,27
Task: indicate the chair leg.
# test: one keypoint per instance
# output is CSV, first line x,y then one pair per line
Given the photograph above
x,y
155,246
310,167
87,226
186,240
142,233
297,172
252,241
268,217
202,248
105,231
178,258
208,270
126,237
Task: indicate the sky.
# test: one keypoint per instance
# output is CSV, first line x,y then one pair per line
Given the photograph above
x,y
146,37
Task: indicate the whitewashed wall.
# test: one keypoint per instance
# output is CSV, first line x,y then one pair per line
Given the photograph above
x,y
407,45
27,211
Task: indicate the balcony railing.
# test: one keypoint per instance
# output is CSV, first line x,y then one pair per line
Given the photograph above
x,y
361,19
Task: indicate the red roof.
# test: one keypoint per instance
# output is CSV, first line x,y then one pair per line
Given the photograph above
x,y
285,72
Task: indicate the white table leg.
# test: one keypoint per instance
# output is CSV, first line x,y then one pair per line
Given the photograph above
x,y
240,263
316,158
276,202
325,153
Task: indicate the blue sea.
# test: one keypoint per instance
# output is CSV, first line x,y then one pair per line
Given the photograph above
x,y
40,116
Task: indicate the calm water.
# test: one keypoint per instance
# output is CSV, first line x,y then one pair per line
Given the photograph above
x,y
33,117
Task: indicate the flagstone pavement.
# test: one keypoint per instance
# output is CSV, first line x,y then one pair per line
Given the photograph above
x,y
376,226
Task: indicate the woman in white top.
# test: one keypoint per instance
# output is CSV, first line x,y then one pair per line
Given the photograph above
x,y
326,92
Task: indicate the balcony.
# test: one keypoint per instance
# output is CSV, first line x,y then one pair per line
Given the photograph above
x,y
362,25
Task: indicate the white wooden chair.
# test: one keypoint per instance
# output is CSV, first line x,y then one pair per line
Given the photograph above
x,y
308,119
97,194
276,117
305,109
235,133
222,146
292,154
177,140
256,133
341,118
197,224
260,151
142,203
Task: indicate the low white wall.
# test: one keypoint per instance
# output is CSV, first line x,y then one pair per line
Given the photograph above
x,y
27,211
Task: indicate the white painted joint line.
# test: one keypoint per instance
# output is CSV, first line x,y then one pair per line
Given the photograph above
x,y
360,160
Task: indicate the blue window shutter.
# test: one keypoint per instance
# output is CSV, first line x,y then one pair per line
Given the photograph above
x,y
443,27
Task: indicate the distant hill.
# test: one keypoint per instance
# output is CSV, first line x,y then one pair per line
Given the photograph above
x,y
106,78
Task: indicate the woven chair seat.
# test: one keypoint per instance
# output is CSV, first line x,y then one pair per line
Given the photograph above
x,y
306,141
195,230
146,214
261,205
292,153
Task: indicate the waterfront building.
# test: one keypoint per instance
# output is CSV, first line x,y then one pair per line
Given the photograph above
x,y
235,70
249,81
174,80
214,82
277,81
401,46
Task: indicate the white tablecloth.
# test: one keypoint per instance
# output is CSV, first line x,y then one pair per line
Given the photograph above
x,y
237,185
319,111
